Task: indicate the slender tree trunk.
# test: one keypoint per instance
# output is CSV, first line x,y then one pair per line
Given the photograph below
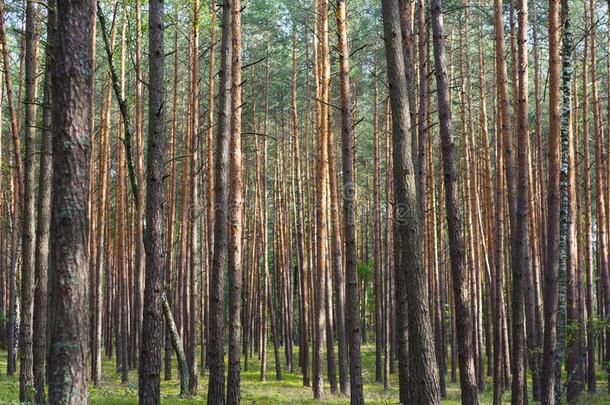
x,y
13,304
574,343
13,118
264,193
302,256
13,320
337,279
183,368
352,310
331,371
139,259
322,178
567,227
551,268
464,321
121,220
505,134
522,266
104,243
216,387
588,231
236,212
171,211
103,262
28,230
152,323
418,380
542,178
193,208
499,274
377,282
43,222
93,207
210,171
533,305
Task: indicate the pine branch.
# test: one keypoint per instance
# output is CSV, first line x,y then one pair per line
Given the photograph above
x,y
122,107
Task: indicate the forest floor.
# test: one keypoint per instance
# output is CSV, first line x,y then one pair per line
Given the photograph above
x,y
290,390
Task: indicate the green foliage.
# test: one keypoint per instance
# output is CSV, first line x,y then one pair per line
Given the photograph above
x,y
366,270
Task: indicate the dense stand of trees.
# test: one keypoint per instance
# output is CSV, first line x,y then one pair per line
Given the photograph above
x,y
292,182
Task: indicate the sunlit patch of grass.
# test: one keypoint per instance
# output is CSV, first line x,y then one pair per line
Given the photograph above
x,y
289,390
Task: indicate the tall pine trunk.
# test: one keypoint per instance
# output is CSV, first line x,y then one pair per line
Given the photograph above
x,y
522,265
352,310
417,375
553,219
68,269
216,387
152,322
236,202
588,228
321,194
464,320
43,221
28,230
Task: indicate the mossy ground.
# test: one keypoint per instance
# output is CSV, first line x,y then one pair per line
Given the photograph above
x,y
289,390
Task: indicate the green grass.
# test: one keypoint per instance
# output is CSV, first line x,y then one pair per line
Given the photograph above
x,y
290,390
